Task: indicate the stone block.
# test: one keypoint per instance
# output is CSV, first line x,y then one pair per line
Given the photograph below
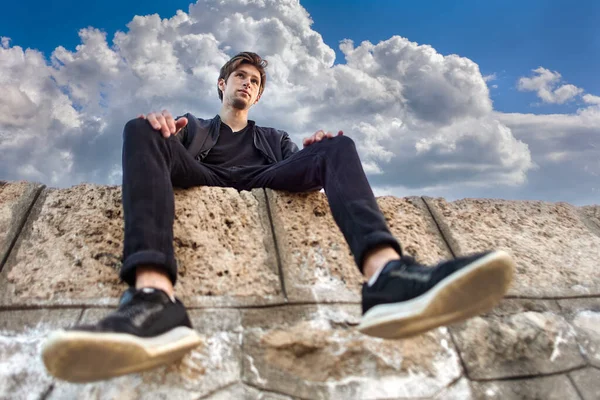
x,y
213,365
315,352
592,214
22,372
584,316
587,381
317,263
518,338
548,388
16,198
460,390
556,254
71,249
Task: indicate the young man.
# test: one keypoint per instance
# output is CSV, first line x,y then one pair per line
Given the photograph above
x,y
400,298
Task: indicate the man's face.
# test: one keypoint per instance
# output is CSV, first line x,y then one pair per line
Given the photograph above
x,y
241,88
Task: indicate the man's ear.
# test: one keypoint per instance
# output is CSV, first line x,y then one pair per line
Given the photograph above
x,y
221,84
257,99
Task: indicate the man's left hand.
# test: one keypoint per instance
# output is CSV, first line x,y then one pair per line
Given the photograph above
x,y
318,136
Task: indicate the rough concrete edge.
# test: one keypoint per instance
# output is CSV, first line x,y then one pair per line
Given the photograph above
x,y
293,294
27,201
587,221
265,211
442,226
34,212
431,219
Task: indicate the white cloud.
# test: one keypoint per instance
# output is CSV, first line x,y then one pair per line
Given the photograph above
x,y
546,85
422,121
490,77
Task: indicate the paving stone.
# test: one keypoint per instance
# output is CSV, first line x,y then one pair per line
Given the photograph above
x,y
212,365
557,255
315,352
22,372
71,252
587,382
584,316
317,262
518,338
547,388
15,200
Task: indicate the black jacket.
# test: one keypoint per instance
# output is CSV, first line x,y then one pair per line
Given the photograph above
x,y
200,135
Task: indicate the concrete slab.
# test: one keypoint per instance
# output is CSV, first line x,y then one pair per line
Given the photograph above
x,y
587,381
317,263
548,388
314,352
584,317
72,250
557,255
16,199
518,338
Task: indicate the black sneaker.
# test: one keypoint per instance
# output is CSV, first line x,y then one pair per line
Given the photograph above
x,y
147,330
408,298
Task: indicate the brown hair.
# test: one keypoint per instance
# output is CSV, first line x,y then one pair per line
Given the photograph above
x,y
244,57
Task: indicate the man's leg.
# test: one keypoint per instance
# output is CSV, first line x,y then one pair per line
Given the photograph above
x,y
402,298
150,327
334,165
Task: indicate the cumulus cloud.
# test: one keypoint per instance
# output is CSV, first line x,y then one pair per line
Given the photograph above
x,y
546,86
420,119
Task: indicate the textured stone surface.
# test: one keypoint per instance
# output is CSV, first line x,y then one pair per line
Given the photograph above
x,y
584,316
546,388
15,200
315,352
71,252
245,392
556,253
22,373
587,382
518,338
212,365
460,390
318,265
592,213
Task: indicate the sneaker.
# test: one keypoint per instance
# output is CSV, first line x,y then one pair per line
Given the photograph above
x,y
147,330
408,299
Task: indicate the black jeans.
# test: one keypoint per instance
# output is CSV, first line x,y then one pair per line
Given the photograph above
x,y
153,165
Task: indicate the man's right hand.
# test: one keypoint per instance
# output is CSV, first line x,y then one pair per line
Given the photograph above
x,y
165,123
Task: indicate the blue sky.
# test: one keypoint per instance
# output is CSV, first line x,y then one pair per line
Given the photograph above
x,y
425,122
508,38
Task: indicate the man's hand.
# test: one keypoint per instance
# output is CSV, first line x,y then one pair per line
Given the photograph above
x,y
165,123
318,136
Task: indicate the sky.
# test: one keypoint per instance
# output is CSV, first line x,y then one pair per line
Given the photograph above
x,y
451,99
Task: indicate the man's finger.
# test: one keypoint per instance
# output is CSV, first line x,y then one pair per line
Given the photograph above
x,y
164,127
142,116
151,118
340,133
180,124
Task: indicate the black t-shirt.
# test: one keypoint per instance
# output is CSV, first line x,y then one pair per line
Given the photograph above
x,y
235,149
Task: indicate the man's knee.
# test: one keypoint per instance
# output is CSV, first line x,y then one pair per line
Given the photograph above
x,y
138,127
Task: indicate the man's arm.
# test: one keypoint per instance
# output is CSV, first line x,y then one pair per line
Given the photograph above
x,y
287,146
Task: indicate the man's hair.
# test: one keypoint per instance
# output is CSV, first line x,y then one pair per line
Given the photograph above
x,y
244,57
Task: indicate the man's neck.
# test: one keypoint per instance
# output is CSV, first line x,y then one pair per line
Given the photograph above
x,y
235,119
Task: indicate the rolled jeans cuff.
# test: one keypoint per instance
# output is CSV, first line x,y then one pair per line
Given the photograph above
x,y
151,258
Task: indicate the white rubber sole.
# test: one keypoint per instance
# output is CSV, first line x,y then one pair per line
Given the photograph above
x,y
78,356
473,290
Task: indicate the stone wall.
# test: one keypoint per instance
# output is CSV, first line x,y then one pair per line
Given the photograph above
x,y
272,288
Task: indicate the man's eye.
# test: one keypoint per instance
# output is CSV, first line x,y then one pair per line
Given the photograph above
x,y
255,82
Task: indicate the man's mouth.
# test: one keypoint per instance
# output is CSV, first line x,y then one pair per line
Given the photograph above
x,y
243,91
